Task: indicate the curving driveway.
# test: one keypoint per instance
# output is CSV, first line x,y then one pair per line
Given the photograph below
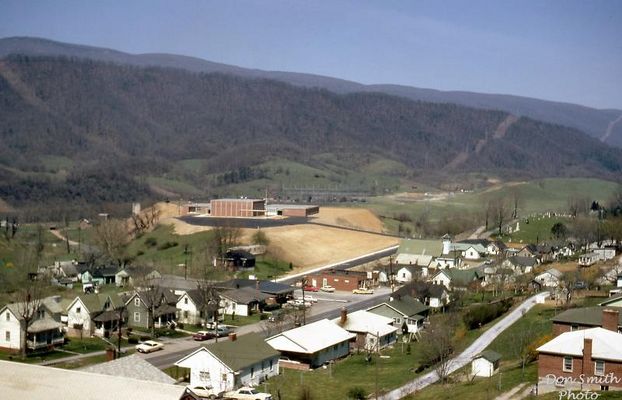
x,y
467,355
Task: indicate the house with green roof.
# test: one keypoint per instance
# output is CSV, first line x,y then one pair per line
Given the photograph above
x,y
240,361
94,314
405,311
460,279
485,364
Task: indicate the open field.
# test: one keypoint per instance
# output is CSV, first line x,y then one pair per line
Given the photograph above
x,y
357,218
534,197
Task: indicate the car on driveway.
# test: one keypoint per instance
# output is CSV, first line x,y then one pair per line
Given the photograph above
x,y
149,346
220,332
203,335
327,288
205,391
247,393
363,291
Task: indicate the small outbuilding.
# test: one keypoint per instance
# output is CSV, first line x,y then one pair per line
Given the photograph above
x,y
485,364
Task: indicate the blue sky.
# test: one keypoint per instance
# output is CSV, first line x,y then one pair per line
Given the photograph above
x,y
556,50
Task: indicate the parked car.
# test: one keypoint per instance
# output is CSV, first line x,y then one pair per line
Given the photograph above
x,y
149,346
308,298
203,335
247,393
205,391
311,289
363,291
220,332
327,288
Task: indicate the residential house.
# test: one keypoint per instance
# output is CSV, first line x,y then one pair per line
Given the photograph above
x,y
608,317
241,361
142,305
613,301
410,272
588,259
590,359
32,382
407,313
458,279
386,275
244,301
485,364
342,280
105,275
94,314
546,253
239,259
130,276
373,332
470,251
564,251
192,307
312,345
520,264
452,259
530,250
429,294
178,284
278,293
549,278
132,366
45,329
605,253
417,247
496,247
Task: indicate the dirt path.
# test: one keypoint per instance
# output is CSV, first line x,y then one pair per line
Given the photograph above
x,y
514,394
610,128
61,237
499,133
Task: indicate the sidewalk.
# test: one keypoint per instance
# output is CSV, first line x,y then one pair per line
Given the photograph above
x,y
79,356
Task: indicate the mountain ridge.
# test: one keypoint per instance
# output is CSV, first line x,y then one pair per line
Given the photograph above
x,y
595,122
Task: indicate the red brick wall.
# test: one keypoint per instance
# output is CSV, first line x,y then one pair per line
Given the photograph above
x,y
235,208
345,282
553,364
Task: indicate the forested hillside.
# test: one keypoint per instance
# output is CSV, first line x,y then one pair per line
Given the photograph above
x,y
88,131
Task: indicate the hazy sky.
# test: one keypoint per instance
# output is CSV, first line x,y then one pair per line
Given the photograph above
x,y
556,50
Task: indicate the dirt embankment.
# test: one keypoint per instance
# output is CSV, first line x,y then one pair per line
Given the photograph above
x,y
310,245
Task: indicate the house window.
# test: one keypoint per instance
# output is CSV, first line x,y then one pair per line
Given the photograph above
x,y
252,372
41,314
567,364
347,281
599,368
204,376
137,302
136,317
186,300
336,280
336,347
8,316
574,328
107,304
271,365
78,310
185,314
224,377
7,336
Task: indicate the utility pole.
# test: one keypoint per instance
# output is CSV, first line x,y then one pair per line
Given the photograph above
x,y
304,307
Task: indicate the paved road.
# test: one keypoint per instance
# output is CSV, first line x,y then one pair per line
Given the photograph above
x,y
328,306
467,355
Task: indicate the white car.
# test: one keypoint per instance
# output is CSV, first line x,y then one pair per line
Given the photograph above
x,y
205,391
327,288
247,393
308,299
149,346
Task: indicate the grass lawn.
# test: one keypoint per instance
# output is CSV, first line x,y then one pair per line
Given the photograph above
x,y
82,362
267,268
334,383
538,229
34,358
89,345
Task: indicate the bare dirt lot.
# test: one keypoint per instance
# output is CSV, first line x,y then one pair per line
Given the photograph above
x,y
310,245
358,218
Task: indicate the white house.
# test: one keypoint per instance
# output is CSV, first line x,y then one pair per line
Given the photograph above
x,y
373,332
313,344
485,364
243,361
605,253
93,314
404,311
408,273
549,278
243,301
44,331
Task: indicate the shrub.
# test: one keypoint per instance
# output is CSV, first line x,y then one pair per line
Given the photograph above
x,y
167,245
151,241
357,393
263,317
132,340
483,313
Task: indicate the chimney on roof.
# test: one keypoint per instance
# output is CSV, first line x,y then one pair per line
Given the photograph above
x,y
344,315
611,319
587,355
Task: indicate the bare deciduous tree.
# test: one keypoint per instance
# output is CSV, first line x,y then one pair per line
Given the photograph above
x,y
145,220
111,236
29,300
438,345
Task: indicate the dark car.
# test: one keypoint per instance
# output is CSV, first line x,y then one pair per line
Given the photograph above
x,y
220,332
203,335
